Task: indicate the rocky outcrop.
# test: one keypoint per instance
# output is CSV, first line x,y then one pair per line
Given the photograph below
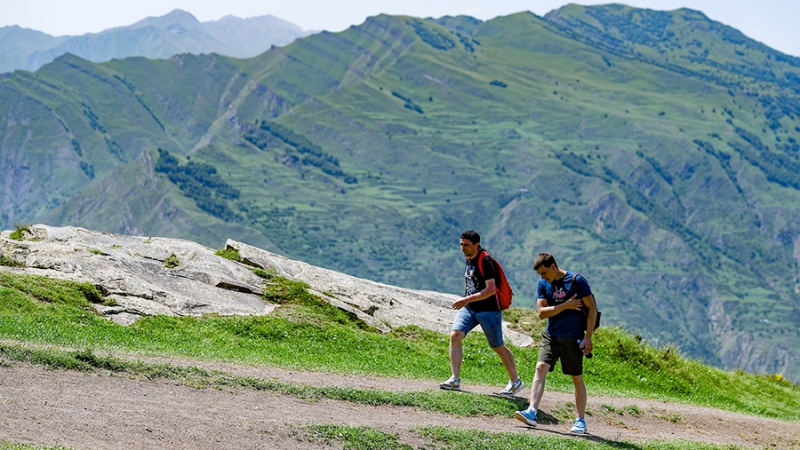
x,y
158,276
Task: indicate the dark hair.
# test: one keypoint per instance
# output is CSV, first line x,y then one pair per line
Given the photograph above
x,y
472,236
544,259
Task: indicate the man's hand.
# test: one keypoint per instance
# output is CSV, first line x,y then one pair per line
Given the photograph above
x,y
460,303
586,345
573,303
546,312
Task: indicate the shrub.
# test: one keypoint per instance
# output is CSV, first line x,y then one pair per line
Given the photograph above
x,y
171,262
229,253
19,231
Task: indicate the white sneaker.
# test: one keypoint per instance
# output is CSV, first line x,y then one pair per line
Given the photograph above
x,y
452,384
512,388
579,426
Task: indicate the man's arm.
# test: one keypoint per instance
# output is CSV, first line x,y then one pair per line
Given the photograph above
x,y
487,292
586,343
550,311
588,302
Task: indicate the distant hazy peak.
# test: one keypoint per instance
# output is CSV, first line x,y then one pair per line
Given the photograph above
x,y
152,37
178,16
230,18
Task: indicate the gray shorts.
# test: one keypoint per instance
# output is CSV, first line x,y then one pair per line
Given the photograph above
x,y
566,349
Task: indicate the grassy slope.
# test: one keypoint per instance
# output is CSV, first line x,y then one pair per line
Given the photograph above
x,y
631,194
38,310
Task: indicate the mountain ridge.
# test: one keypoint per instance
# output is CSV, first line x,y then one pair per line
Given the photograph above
x,y
153,37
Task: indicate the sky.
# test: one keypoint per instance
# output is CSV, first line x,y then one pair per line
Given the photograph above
x,y
772,22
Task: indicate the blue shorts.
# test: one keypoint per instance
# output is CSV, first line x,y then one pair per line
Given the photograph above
x,y
490,321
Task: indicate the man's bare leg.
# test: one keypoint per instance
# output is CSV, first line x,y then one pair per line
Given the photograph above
x,y
508,361
456,352
537,390
580,394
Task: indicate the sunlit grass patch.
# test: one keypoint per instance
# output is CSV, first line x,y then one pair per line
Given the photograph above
x,y
229,253
354,438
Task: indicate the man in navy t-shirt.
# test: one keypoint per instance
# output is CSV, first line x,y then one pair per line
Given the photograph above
x,y
562,297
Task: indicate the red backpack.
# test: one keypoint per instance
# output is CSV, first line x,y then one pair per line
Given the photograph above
x,y
502,290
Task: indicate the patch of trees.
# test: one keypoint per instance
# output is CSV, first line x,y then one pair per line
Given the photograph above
x,y
792,146
77,147
260,138
579,164
660,216
657,167
724,160
778,167
431,37
114,148
779,107
310,154
87,169
647,27
131,87
201,183
409,104
467,43
94,121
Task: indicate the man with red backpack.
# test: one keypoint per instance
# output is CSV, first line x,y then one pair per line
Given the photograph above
x,y
487,294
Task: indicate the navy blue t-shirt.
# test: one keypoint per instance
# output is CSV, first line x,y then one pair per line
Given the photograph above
x,y
570,322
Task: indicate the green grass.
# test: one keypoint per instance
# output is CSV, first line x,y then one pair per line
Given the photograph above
x,y
229,253
312,335
265,274
354,438
19,231
6,261
453,438
171,262
445,438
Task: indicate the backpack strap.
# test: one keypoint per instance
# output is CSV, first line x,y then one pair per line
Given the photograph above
x,y
480,260
574,279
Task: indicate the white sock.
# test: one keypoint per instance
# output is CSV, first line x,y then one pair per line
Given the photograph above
x,y
532,409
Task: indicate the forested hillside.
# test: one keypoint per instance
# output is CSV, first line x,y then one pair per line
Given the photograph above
x,y
654,152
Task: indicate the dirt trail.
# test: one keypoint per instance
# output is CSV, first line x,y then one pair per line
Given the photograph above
x,y
95,411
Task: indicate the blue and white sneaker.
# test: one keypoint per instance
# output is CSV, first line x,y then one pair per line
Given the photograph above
x,y
579,426
512,388
527,417
452,384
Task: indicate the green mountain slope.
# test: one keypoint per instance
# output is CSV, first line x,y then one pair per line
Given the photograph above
x,y
673,190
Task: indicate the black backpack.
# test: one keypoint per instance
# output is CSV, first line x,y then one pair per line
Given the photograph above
x,y
586,312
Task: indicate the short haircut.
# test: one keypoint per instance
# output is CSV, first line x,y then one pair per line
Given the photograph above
x,y
544,259
472,236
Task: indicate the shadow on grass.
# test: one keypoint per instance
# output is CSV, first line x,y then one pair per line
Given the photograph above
x,y
587,437
518,402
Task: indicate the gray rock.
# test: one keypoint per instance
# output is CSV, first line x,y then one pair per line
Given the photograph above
x,y
175,277
391,305
132,271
